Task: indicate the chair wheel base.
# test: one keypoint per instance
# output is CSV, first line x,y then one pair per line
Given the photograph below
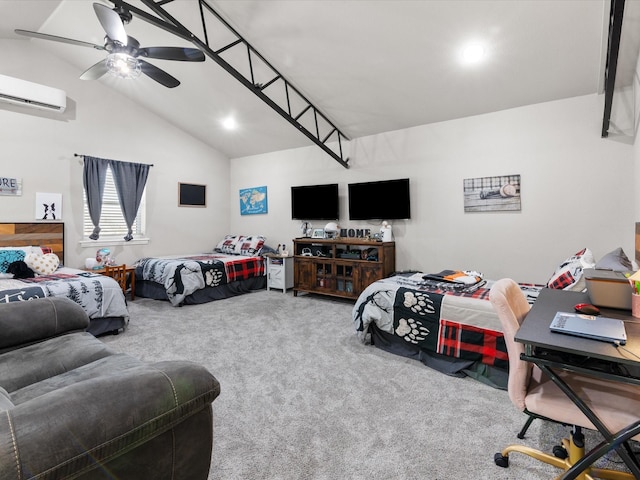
x,y
500,460
560,452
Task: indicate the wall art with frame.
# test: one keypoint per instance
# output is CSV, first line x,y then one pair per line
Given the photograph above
x,y
48,206
253,201
492,194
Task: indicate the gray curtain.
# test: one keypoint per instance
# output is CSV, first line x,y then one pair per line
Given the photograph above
x,y
130,179
93,178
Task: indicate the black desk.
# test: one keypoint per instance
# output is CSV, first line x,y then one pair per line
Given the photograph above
x,y
551,351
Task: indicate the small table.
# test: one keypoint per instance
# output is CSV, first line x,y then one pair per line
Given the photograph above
x,y
131,272
551,351
279,272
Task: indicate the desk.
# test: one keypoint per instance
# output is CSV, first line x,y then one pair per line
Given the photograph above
x,y
131,272
551,351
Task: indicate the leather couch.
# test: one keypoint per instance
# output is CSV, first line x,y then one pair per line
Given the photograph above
x,y
70,407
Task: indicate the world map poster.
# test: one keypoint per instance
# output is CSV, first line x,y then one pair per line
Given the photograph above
x,y
253,200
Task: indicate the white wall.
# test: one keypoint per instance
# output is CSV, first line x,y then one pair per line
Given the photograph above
x,y
577,189
39,148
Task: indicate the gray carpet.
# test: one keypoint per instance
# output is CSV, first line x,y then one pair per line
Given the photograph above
x,y
302,398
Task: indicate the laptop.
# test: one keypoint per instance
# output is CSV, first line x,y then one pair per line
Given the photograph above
x,y
594,327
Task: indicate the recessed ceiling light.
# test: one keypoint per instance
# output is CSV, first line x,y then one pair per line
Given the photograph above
x,y
473,53
230,123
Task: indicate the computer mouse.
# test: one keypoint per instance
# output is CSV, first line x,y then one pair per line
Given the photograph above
x,y
587,309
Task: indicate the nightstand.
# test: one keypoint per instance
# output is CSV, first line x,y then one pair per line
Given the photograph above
x,y
279,272
131,280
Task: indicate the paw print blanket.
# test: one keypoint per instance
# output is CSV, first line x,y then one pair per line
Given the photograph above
x,y
181,276
458,324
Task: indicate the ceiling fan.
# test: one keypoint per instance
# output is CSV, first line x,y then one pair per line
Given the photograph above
x,y
125,56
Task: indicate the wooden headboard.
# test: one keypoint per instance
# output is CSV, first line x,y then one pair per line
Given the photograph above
x,y
41,234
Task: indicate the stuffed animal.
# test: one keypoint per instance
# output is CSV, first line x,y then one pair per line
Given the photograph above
x,y
20,269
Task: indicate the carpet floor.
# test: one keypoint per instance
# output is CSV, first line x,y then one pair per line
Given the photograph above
x,y
301,397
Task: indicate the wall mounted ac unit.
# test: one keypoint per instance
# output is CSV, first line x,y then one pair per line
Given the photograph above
x,y
34,95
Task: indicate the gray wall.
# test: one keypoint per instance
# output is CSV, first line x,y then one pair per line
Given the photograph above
x,y
577,189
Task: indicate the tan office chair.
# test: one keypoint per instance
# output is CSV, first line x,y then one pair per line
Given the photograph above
x,y
616,404
119,274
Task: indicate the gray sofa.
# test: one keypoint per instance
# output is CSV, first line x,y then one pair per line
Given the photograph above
x,y
70,407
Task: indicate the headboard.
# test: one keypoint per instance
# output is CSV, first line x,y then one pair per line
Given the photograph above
x,y
44,234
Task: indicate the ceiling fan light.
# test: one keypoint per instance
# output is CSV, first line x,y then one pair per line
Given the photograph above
x,y
123,66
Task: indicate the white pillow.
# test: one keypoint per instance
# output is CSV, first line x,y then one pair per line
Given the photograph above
x,y
228,244
568,275
43,264
249,245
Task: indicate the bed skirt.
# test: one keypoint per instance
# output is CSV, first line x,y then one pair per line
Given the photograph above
x,y
490,375
148,289
106,325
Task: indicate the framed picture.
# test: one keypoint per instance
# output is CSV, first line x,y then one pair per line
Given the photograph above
x,y
48,206
253,201
317,233
492,194
192,195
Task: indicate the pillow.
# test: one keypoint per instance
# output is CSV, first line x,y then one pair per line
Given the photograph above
x,y
266,250
616,261
227,244
250,246
43,264
27,250
568,275
7,257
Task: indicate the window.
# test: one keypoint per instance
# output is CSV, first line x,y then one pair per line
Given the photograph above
x,y
112,224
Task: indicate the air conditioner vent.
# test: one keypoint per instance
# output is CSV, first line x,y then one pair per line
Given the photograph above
x,y
33,95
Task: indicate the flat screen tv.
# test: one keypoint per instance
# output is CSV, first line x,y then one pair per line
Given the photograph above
x,y
383,200
315,202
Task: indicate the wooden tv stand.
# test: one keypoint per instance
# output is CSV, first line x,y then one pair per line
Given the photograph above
x,y
341,267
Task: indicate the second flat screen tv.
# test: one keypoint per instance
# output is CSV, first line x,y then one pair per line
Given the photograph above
x,y
315,202
383,200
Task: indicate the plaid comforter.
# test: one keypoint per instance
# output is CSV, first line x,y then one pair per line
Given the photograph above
x,y
181,276
416,313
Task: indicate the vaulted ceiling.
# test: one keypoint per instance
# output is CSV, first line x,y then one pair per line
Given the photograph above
x,y
370,66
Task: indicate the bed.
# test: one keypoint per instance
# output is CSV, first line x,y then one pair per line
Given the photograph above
x,y
42,244
235,267
449,327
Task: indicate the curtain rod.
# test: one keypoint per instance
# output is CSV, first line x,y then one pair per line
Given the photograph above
x,y
81,155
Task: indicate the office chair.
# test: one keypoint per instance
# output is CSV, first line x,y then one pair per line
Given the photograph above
x,y
119,274
616,404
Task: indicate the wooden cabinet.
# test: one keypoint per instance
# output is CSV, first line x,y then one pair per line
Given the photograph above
x,y
341,267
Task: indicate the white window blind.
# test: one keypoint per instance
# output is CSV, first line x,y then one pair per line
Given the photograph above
x,y
112,222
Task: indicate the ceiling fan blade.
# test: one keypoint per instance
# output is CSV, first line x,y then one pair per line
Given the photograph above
x,y
173,53
111,22
45,36
158,75
95,71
